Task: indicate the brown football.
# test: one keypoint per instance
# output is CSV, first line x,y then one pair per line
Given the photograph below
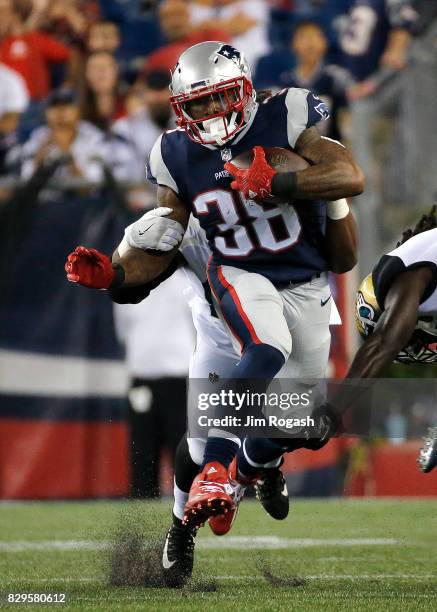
x,y
282,160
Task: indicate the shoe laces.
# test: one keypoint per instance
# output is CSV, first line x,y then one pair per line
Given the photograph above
x,y
211,487
269,483
181,537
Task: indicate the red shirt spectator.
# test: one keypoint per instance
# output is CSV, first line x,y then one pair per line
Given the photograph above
x,y
165,58
30,54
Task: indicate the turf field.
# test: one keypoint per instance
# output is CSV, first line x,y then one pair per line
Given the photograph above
x,y
328,555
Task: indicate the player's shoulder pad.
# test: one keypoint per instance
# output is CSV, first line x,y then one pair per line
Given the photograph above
x,y
304,109
157,166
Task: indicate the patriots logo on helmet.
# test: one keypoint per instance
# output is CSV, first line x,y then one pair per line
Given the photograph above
x,y
229,52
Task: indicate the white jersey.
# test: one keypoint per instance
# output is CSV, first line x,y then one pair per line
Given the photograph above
x,y
195,250
418,250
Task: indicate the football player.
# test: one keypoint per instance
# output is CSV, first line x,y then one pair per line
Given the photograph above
x,y
215,354
268,271
396,314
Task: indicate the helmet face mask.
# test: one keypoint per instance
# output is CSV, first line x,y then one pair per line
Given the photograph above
x,y
422,348
212,93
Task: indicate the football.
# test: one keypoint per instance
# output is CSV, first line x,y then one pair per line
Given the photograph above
x,y
282,160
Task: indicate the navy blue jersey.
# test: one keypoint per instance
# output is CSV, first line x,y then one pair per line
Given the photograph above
x,y
366,34
283,243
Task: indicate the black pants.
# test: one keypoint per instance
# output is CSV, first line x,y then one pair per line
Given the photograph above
x,y
157,420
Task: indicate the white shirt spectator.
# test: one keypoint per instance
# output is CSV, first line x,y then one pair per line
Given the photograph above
x,y
141,132
158,332
14,97
254,43
88,150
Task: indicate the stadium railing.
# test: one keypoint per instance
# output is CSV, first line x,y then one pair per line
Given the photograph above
x,y
394,140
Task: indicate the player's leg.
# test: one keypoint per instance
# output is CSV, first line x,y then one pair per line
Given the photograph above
x,y
252,309
178,553
307,311
213,354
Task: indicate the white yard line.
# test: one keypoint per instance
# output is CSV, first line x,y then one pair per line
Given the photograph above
x,y
276,543
231,578
206,543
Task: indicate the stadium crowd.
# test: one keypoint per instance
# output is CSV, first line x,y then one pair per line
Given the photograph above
x,y
89,79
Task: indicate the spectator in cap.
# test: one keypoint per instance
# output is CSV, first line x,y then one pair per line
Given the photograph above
x,y
65,136
14,100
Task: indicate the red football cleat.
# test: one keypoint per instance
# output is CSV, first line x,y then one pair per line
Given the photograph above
x,y
221,524
210,495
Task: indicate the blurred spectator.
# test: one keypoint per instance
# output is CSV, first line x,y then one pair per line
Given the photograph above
x,y
138,25
77,143
330,82
14,99
244,21
101,100
159,338
103,36
29,53
67,21
376,41
176,24
148,115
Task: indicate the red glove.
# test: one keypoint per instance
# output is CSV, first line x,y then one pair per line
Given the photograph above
x,y
256,181
90,268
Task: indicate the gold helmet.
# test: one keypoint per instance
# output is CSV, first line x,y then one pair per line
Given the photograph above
x,y
367,309
422,346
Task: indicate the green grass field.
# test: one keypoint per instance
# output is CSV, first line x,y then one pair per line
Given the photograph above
x,y
328,555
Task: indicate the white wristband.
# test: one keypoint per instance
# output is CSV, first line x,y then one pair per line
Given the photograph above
x,y
337,210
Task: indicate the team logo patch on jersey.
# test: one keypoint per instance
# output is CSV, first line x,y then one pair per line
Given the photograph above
x,y
229,52
322,109
213,377
226,155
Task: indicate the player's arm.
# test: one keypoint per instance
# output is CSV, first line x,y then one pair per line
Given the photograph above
x,y
333,173
133,268
141,267
341,237
395,326
392,332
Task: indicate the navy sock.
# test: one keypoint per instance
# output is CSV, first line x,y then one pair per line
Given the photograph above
x,y
222,450
259,361
259,450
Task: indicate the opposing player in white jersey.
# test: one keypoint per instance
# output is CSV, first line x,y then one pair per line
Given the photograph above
x,y
268,270
396,313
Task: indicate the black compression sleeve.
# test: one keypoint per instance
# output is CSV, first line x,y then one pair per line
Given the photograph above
x,y
119,277
284,184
